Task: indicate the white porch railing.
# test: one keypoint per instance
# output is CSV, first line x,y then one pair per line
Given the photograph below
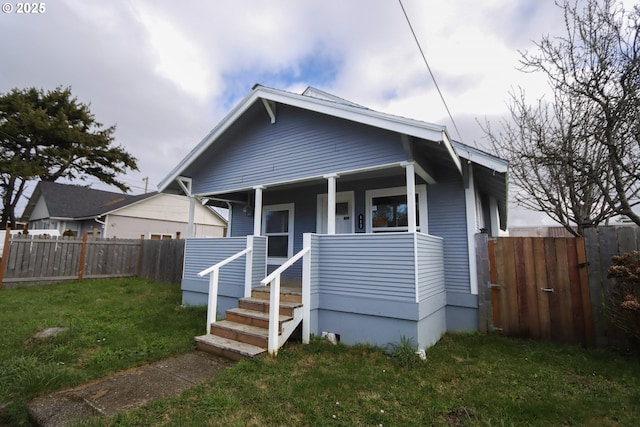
x,y
214,270
273,280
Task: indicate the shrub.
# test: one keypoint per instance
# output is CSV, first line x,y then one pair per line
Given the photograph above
x,y
623,300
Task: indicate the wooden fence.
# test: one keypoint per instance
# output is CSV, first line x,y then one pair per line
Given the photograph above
x,y
162,260
601,244
41,260
551,288
538,288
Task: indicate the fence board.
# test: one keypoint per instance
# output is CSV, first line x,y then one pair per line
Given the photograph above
x,y
531,291
35,260
484,282
493,275
540,287
576,270
540,274
524,326
575,299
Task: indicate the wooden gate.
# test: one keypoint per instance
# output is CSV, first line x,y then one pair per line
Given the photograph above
x,y
537,287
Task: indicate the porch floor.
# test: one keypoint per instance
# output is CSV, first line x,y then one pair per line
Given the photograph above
x,y
287,287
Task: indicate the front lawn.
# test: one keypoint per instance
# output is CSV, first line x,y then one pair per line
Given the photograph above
x,y
111,325
466,379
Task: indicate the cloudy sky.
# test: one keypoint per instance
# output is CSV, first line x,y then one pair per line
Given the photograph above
x,y
165,72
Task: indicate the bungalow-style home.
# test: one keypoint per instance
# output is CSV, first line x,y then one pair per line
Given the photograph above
x,y
74,209
370,216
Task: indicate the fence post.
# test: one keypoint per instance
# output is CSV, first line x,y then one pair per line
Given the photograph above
x,y
484,293
83,254
5,254
140,256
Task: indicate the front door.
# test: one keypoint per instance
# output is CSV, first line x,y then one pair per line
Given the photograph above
x,y
344,213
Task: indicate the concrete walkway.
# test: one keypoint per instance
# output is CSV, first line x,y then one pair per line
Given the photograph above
x,y
126,390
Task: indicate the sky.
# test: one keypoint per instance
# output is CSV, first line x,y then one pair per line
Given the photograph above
x,y
166,72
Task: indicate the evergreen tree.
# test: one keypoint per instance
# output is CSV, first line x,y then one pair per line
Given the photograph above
x,y
51,135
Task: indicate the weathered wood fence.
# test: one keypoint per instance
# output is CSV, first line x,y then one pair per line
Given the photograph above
x,y
41,260
551,288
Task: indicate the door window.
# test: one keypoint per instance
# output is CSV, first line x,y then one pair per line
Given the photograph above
x,y
277,225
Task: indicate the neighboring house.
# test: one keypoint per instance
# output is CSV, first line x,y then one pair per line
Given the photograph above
x,y
75,209
316,171
541,231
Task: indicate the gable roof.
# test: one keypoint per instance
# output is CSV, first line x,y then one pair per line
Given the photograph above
x,y
321,102
76,202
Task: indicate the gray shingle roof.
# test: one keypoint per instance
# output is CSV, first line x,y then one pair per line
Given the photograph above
x,y
74,201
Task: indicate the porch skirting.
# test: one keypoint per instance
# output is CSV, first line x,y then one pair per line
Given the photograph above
x,y
380,323
373,288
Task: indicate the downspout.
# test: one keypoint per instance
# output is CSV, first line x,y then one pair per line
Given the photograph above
x,y
104,225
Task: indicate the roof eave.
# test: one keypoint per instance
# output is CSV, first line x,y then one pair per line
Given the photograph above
x,y
349,112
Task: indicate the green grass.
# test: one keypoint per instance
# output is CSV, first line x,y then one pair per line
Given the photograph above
x,y
111,325
466,379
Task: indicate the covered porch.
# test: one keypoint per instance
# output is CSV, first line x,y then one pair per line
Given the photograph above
x,y
373,288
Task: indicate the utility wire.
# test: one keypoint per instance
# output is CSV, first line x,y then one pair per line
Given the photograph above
x,y
429,68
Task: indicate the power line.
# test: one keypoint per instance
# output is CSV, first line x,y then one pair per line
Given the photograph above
x,y
415,37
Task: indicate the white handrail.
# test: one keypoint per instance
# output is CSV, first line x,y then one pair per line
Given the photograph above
x,y
274,299
224,262
212,305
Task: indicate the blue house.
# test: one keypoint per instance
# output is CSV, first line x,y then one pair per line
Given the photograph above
x,y
363,221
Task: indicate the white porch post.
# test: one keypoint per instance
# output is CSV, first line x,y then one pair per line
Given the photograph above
x,y
494,229
186,184
248,269
472,226
192,210
411,196
331,203
257,211
306,289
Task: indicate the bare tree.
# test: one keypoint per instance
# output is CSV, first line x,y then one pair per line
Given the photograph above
x,y
541,142
577,156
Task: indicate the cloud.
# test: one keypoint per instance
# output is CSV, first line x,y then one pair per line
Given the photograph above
x,y
166,72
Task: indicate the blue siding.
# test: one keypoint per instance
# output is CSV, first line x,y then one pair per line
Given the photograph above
x,y
300,144
241,224
430,266
364,287
448,219
203,253
378,266
259,257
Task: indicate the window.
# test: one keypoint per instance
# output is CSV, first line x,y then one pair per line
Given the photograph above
x,y
387,209
277,225
160,236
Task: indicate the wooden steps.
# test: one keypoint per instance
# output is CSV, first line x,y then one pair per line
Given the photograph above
x,y
244,333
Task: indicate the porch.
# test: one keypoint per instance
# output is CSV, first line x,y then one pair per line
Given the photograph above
x,y
373,288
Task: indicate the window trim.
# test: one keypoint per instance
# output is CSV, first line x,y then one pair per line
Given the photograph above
x,y
161,234
421,191
281,207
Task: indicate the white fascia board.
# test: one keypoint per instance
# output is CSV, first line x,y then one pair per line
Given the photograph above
x,y
480,157
220,128
355,114
359,115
